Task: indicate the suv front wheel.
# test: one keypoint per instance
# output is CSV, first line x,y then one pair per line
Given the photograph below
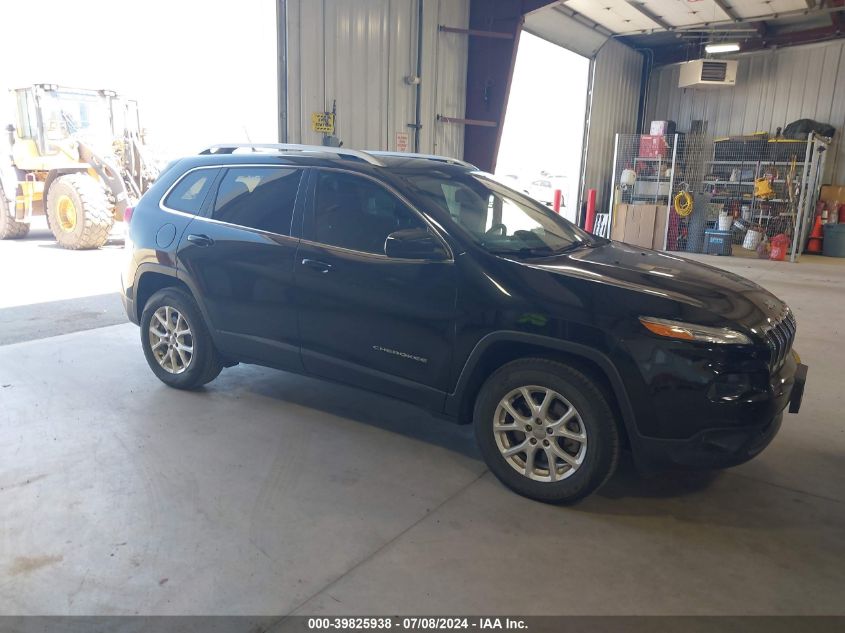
x,y
176,341
546,430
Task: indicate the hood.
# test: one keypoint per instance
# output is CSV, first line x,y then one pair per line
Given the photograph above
x,y
718,292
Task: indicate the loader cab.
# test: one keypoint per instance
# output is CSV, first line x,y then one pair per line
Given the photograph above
x,y
76,156
49,116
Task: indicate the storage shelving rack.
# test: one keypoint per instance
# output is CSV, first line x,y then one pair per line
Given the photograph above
x,y
793,169
722,173
656,175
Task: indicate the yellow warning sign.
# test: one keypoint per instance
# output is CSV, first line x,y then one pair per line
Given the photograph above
x,y
322,122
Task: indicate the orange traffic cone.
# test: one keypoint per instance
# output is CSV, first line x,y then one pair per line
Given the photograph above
x,y
814,244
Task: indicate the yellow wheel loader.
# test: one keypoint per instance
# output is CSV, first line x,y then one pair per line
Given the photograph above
x,y
74,155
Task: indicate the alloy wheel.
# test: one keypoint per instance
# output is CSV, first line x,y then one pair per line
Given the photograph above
x,y
171,340
540,433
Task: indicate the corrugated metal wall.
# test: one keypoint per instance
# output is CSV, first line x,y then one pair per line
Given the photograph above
x,y
617,73
359,54
772,89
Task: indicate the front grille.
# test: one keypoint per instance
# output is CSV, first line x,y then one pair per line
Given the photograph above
x,y
779,338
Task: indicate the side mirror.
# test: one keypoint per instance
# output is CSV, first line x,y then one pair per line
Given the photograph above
x,y
414,244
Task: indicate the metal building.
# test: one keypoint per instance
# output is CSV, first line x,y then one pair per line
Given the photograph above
x,y
434,75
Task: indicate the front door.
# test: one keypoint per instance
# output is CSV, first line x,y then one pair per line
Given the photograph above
x,y
364,318
241,260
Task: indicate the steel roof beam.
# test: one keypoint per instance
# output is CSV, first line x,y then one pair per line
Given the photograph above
x,y
651,15
728,10
819,10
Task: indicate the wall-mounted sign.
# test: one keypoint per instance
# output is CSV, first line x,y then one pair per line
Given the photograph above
x,y
322,122
402,140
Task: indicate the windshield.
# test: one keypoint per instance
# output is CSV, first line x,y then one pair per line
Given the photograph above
x,y
499,219
71,113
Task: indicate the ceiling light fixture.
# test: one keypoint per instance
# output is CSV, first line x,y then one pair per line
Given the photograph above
x,y
724,47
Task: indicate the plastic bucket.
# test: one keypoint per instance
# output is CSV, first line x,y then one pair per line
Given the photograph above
x,y
725,221
779,245
752,239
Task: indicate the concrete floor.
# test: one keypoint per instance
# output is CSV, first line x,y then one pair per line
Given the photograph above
x,y
269,493
46,290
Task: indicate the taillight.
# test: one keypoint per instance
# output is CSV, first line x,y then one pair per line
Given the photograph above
x,y
127,214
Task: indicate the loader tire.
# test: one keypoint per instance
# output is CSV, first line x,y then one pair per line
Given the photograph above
x,y
78,212
10,229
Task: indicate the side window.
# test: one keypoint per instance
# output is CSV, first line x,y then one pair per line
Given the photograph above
x,y
358,214
189,193
26,114
260,198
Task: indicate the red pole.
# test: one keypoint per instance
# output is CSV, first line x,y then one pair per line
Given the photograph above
x,y
557,200
590,220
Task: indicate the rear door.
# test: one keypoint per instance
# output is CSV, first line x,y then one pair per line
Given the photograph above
x,y
240,259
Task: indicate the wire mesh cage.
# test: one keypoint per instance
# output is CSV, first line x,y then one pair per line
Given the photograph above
x,y
645,175
718,196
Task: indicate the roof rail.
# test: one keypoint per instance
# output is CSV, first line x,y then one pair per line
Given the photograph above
x,y
229,148
439,159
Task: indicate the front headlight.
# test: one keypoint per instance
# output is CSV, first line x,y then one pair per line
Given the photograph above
x,y
692,332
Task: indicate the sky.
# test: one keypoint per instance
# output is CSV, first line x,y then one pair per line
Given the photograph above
x,y
203,71
544,122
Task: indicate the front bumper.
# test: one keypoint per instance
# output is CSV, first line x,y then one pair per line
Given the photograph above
x,y
725,446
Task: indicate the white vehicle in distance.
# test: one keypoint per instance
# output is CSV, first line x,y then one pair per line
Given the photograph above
x,y
543,189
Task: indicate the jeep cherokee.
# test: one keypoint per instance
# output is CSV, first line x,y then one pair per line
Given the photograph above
x,y
424,279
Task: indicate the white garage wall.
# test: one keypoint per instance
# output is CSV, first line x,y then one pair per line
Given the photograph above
x,y
359,53
772,89
617,74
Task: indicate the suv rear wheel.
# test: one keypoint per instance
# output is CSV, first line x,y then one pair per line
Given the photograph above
x,y
546,430
176,341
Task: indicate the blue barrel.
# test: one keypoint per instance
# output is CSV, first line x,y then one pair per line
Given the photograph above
x,y
834,240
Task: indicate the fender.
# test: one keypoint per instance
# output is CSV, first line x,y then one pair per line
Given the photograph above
x,y
453,400
57,173
167,271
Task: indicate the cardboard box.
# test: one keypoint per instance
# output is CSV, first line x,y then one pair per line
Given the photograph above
x,y
661,128
653,146
833,193
640,225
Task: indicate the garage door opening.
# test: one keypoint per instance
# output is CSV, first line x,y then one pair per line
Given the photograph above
x,y
543,135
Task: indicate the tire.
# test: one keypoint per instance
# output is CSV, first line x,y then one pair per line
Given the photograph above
x,y
203,365
10,229
573,398
78,212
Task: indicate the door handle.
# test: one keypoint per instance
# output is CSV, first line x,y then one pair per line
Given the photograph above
x,y
200,240
317,265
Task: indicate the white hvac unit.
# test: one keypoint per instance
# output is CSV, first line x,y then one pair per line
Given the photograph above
x,y
703,73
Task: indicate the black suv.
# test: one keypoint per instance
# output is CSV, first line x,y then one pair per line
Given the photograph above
x,y
424,279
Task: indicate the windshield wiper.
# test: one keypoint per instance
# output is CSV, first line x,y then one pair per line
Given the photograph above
x,y
525,251
571,247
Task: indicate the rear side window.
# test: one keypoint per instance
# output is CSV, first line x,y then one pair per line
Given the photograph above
x,y
190,192
260,198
